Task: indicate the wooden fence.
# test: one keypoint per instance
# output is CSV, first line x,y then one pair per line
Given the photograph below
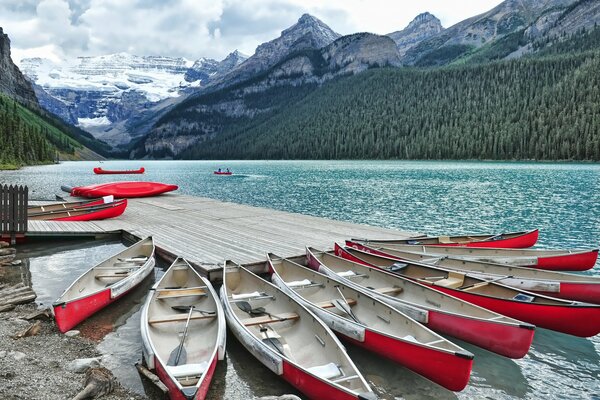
x,y
13,211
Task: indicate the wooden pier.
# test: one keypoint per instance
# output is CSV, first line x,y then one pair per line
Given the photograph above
x,y
207,231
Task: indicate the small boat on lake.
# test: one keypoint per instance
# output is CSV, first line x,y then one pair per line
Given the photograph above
x,y
220,172
82,213
183,301
288,339
101,171
103,284
555,260
436,310
551,283
370,323
571,317
516,240
121,189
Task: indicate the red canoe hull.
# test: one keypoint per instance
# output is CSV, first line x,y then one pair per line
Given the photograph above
x,y
507,340
312,387
569,262
106,213
124,189
578,321
520,242
69,315
175,393
586,292
446,369
582,320
100,171
222,173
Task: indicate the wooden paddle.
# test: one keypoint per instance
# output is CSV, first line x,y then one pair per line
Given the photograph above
x,y
344,307
179,354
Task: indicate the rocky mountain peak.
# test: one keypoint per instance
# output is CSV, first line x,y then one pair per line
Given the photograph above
x,y
422,27
12,81
311,27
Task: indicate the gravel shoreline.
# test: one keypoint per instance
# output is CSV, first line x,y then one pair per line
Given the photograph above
x,y
35,367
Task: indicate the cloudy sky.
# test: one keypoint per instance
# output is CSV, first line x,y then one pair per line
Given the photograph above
x,y
60,29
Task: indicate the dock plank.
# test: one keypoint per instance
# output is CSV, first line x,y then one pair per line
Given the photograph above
x,y
208,231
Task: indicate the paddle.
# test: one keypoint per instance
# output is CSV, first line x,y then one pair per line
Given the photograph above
x,y
179,354
485,282
247,308
344,307
186,308
272,342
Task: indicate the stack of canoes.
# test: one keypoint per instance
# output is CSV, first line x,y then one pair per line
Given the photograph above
x,y
89,210
392,298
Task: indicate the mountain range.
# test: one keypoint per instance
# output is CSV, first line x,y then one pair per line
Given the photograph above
x,y
163,107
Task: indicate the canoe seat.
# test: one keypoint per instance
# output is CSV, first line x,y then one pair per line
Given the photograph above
x,y
389,290
179,318
184,292
108,276
187,370
475,286
444,239
269,319
326,371
452,281
345,378
329,303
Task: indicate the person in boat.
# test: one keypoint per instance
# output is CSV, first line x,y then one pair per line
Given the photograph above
x,y
219,170
227,170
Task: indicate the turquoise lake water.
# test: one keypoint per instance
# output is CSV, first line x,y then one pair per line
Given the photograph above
x,y
563,200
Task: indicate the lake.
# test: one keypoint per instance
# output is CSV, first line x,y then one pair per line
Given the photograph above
x,y
433,197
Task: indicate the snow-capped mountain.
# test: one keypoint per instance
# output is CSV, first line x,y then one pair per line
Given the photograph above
x,y
95,92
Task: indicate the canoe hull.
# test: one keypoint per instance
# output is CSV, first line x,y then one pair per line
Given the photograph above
x,y
569,262
110,212
69,315
175,393
100,171
586,292
578,321
446,369
123,189
520,242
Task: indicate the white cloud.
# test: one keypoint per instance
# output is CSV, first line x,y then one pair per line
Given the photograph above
x,y
197,28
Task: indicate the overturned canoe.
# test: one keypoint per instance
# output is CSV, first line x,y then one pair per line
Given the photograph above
x,y
571,317
288,339
121,189
183,301
64,205
82,213
436,310
554,260
374,325
551,283
100,171
103,284
515,240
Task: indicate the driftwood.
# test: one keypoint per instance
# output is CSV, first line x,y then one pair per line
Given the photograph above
x,y
8,251
7,259
41,315
7,307
145,372
31,330
17,294
98,382
3,244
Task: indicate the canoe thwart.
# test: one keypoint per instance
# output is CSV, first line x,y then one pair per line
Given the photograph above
x,y
389,290
179,318
173,293
268,319
329,304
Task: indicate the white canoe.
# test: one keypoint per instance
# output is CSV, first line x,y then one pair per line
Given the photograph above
x,y
164,318
374,325
288,339
103,284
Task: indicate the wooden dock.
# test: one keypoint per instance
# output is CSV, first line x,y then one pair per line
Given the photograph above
x,y
207,231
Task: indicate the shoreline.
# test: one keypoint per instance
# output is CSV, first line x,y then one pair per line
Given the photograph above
x,y
37,367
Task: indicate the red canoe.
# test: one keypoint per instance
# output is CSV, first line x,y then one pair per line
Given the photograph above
x,y
550,283
551,260
369,323
513,240
104,284
438,311
87,213
571,317
100,171
122,189
222,172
